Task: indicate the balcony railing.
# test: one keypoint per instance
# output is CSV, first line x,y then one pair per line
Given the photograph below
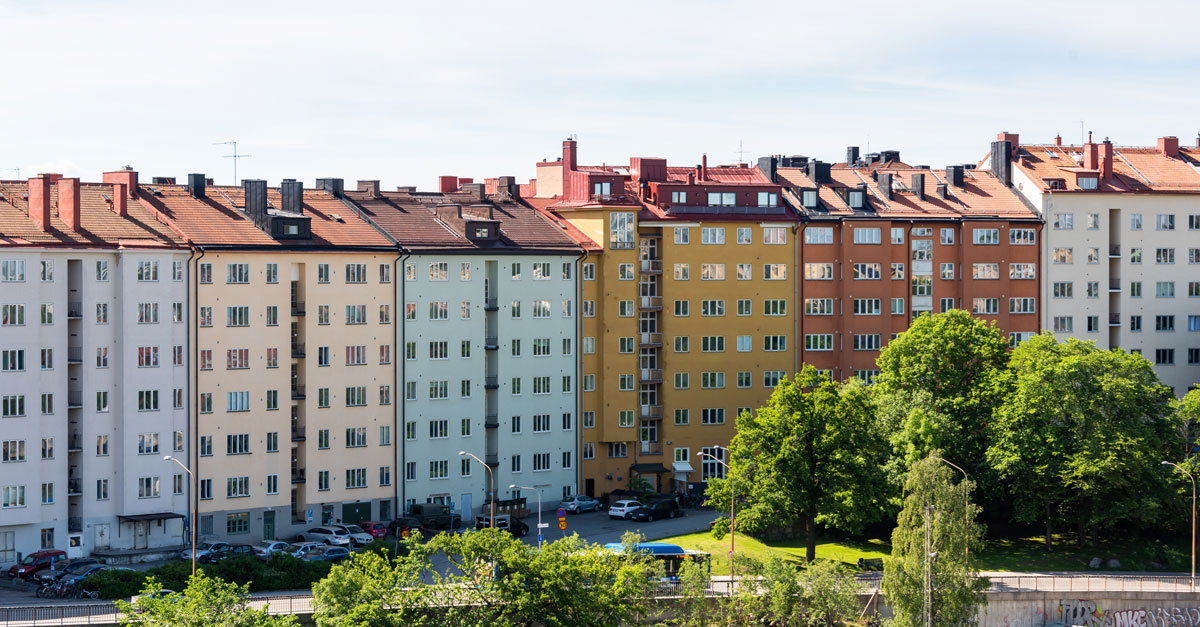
x,y
650,412
650,303
74,487
493,459
297,433
491,343
74,400
1114,320
298,392
613,199
652,266
297,475
1114,285
74,355
650,375
651,448
491,383
75,309
489,304
75,444
297,308
491,421
1114,251
648,340
297,350
75,524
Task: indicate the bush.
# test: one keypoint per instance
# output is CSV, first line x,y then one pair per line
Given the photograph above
x,y
174,575
285,572
115,584
386,548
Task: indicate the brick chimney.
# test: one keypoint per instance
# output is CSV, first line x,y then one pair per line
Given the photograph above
x,y
120,198
1058,140
1013,139
447,184
68,202
128,176
1106,159
704,167
39,202
369,187
1169,146
1091,160
569,155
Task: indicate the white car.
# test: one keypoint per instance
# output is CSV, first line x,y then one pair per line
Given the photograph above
x,y
328,535
622,509
202,549
358,537
264,549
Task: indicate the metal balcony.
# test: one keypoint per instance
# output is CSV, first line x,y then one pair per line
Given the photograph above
x,y
75,444
490,304
75,524
74,310
491,343
74,355
650,375
650,412
1114,285
650,448
650,340
297,308
650,303
74,487
298,433
651,266
298,393
74,400
297,350
491,421
491,383
1114,251
297,475
1114,320
493,459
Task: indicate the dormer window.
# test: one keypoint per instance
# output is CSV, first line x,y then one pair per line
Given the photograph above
x,y
291,229
679,197
808,198
481,232
1055,185
722,199
602,189
768,199
1088,182
855,199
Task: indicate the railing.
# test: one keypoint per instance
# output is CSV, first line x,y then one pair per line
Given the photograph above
x,y
297,308
489,304
298,392
651,448
648,412
613,199
59,614
297,350
74,354
1114,320
1114,250
74,487
74,400
650,302
491,343
491,383
75,444
75,309
650,375
74,524
1114,285
491,421
652,266
650,339
297,433
297,475
493,459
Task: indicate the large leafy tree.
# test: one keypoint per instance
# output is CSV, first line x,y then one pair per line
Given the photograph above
x,y
957,591
1083,435
206,602
810,456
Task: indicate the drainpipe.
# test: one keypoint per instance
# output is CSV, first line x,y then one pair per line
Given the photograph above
x,y
399,398
579,479
193,451
396,402
798,296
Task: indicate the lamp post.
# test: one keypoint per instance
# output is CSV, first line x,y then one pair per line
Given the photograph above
x,y
191,499
966,513
538,490
493,483
728,473
1181,469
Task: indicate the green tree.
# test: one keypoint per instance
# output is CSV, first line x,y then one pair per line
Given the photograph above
x,y
810,456
207,602
1083,435
957,590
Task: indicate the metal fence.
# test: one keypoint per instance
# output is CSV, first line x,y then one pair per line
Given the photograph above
x,y
57,614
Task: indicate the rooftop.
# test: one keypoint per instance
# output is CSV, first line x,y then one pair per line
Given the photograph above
x,y
99,224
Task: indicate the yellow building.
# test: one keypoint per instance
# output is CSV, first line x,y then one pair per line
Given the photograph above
x,y
688,308
293,370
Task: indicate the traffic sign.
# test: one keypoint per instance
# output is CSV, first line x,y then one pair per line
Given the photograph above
x,y
540,538
543,525
562,524
562,513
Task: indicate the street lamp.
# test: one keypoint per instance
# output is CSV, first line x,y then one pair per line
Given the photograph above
x,y
729,473
967,507
191,500
538,490
1181,469
493,483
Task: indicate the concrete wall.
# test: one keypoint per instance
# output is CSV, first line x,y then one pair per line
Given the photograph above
x,y
1103,609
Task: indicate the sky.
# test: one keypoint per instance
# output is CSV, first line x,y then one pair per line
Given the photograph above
x,y
405,91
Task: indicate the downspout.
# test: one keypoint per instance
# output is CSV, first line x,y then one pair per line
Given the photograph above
x,y
798,296
583,256
401,479
193,451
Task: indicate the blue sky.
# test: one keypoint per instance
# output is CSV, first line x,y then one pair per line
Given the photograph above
x,y
405,91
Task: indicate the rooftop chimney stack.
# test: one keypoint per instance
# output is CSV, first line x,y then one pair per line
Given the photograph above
x,y
292,193
942,191
769,167
369,187
569,155
39,202
918,185
1014,141
120,198
127,176
1058,140
885,184
1091,158
68,202
1001,160
1106,159
256,199
508,185
333,186
851,155
478,191
954,174
704,167
196,185
1169,146
447,184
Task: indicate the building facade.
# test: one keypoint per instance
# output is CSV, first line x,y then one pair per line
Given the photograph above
x,y
1121,246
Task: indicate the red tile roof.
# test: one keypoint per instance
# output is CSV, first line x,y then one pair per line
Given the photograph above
x,y
219,218
542,206
725,175
99,225
1135,169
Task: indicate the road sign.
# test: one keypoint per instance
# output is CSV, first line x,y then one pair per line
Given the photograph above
x,y
543,525
562,513
562,524
540,538
310,515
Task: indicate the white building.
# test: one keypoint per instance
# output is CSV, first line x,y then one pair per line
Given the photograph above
x,y
488,347
1121,246
93,293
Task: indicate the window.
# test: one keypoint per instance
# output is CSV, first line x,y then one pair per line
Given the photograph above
x,y
13,451
712,416
1064,221
947,237
620,230
1164,323
47,313
985,236
1022,237
1062,255
773,307
985,271
1164,356
1064,324
237,487
101,270
147,313
541,309
866,235
712,234
1165,222
205,272
897,306
1164,289
1022,271
439,390
774,235
12,496
774,343
985,306
818,342
147,487
356,396
1164,255
866,306
774,271
947,271
48,271
898,271
712,308
147,400
745,271
1135,323
712,380
712,272
818,235
237,273
1063,289
869,271
625,309
322,273
147,357
1135,255
897,235
712,344
818,271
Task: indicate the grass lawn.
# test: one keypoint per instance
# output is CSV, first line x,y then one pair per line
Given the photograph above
x,y
1022,554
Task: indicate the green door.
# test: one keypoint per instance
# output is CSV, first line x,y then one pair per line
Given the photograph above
x,y
268,525
354,512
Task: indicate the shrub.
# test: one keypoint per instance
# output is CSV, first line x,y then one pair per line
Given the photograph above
x,y
115,584
386,548
285,572
173,575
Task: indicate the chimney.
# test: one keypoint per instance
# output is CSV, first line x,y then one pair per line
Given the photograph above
x,y
478,191
768,166
68,202
447,184
369,187
256,198
569,155
942,191
127,176
479,212
196,185
954,174
851,155
1106,159
508,185
1058,140
691,178
1169,146
450,214
818,172
1001,160
885,184
1013,139
704,167
120,199
918,185
162,180
292,193
332,186
39,202
1091,159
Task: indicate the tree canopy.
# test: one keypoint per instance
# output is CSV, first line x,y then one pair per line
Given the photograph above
x,y
207,602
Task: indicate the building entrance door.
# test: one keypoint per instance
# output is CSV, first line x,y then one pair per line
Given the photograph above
x,y
268,525
102,541
141,534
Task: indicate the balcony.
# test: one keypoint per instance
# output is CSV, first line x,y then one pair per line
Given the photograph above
x,y
297,350
1114,251
74,355
650,448
490,304
650,340
1114,285
650,375
491,383
652,266
613,199
493,459
297,476
297,308
650,412
298,393
650,303
75,444
491,343
74,487
297,433
1114,320
74,400
75,310
491,421
75,524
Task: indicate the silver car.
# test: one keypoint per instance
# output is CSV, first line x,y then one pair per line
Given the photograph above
x,y
358,537
328,535
579,504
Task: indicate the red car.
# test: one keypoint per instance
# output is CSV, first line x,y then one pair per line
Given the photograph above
x,y
34,563
375,528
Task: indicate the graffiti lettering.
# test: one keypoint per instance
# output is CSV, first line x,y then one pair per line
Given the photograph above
x,y
1089,614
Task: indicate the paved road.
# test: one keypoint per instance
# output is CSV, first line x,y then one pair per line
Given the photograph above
x,y
599,528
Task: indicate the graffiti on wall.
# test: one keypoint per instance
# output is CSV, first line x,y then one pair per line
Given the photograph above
x,y
1090,614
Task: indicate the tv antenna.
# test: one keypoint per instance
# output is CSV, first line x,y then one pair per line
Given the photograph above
x,y
741,152
235,156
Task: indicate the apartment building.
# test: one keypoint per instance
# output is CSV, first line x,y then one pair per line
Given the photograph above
x,y
687,302
1121,247
884,242
488,344
94,373
293,412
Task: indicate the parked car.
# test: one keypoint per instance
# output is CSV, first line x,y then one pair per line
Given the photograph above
x,y
78,575
35,563
579,504
327,554
202,549
435,516
623,508
328,535
374,527
263,550
505,522
70,567
226,552
358,537
402,527
300,549
655,511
